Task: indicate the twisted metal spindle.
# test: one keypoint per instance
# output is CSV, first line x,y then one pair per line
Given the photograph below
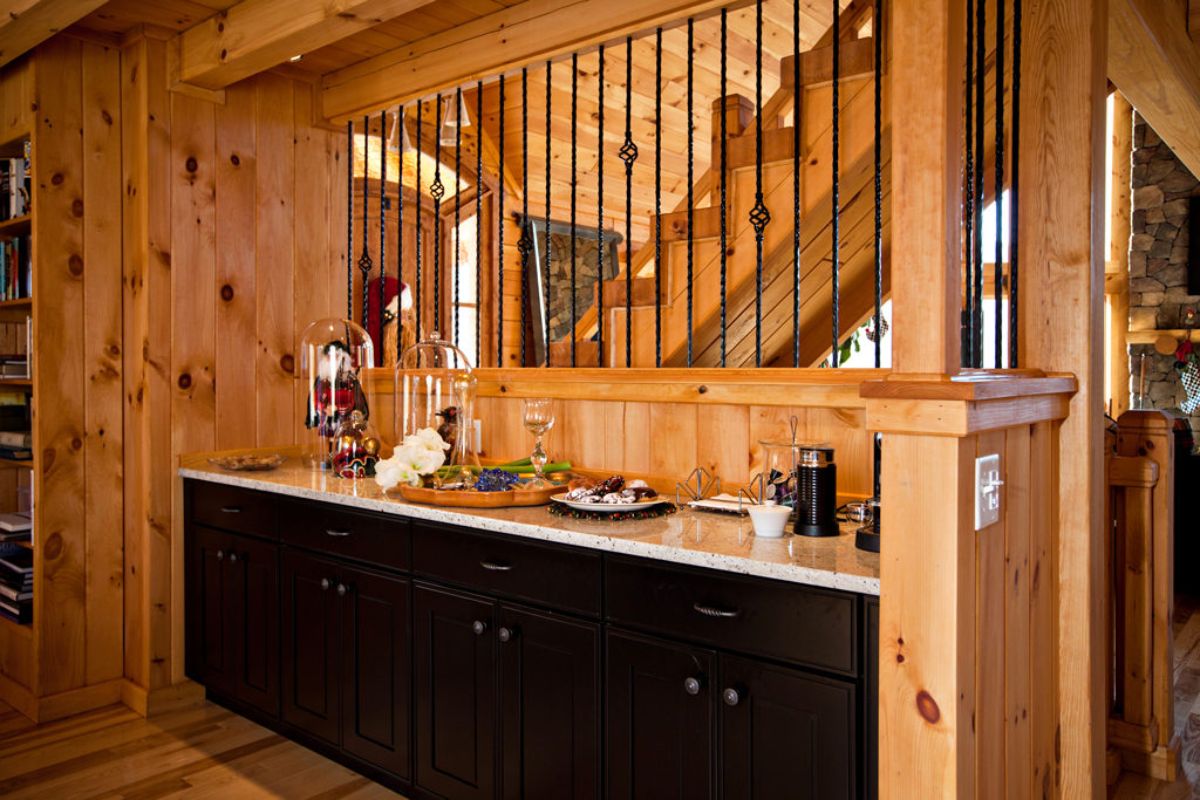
x,y
417,237
835,223
600,211
1014,203
500,235
724,199
629,154
877,35
980,68
383,206
546,293
968,349
437,190
658,264
479,224
760,216
458,108
364,260
574,192
525,243
998,338
796,107
349,220
691,200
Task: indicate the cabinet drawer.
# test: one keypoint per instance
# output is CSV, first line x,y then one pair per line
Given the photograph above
x,y
330,529
555,578
233,509
808,626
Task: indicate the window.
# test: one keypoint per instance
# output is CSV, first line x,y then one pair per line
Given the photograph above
x,y
464,303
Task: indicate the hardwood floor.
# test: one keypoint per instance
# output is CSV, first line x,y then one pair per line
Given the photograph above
x,y
1187,716
200,752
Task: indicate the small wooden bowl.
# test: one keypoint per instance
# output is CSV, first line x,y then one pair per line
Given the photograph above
x,y
459,498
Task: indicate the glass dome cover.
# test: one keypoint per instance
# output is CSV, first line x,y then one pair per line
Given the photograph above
x,y
435,388
333,353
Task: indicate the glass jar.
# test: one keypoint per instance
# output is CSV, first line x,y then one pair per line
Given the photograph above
x,y
435,388
780,460
333,353
356,448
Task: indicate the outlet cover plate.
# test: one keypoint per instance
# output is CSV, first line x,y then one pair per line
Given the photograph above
x,y
987,491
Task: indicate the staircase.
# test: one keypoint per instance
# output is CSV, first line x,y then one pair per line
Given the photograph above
x,y
857,234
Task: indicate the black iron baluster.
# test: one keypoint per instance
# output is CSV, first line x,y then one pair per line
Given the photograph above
x,y
349,220
877,34
364,260
525,243
629,154
724,167
1014,192
835,224
796,109
383,204
417,238
458,116
658,264
760,217
574,190
691,158
998,338
399,240
600,213
437,190
500,221
980,67
968,338
479,222
546,293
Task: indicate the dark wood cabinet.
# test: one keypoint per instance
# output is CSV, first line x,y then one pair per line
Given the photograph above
x,y
784,733
550,705
455,693
311,647
233,635
870,704
376,669
661,736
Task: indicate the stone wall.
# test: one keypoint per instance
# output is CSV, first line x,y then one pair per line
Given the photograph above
x,y
1158,256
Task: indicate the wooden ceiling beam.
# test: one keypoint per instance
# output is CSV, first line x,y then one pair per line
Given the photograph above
x,y
28,23
256,35
483,48
1155,64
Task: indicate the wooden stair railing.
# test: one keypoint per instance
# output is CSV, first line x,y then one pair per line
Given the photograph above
x,y
1141,724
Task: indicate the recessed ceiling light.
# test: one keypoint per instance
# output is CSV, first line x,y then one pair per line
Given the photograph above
x,y
296,58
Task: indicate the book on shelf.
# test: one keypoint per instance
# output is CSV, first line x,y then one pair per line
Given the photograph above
x,y
16,438
16,522
20,613
15,186
16,453
15,594
16,563
16,273
14,368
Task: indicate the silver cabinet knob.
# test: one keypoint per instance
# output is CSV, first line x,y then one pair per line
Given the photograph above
x,y
233,557
479,626
692,686
341,590
506,634
325,584
731,697
220,555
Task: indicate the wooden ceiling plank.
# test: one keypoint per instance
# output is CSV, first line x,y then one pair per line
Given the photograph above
x,y
1156,66
255,35
528,32
28,23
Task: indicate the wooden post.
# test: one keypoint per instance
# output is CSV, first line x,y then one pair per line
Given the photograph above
x,y
1116,277
927,108
1061,249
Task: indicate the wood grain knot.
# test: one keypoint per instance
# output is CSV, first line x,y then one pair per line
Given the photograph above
x,y
114,350
233,159
107,117
927,707
503,389
227,293
77,208
53,547
76,443
191,164
224,54
48,456
185,381
75,265
287,363
57,179
702,389
220,27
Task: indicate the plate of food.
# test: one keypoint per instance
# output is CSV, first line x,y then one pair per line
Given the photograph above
x,y
249,462
608,496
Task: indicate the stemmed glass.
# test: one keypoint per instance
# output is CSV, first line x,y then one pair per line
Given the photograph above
x,y
538,416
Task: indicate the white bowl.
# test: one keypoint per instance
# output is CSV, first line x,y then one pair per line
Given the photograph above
x,y
770,520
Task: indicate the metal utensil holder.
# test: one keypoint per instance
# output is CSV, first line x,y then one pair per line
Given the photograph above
x,y
755,492
699,485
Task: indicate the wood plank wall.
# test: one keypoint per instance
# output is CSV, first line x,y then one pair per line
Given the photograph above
x,y
235,243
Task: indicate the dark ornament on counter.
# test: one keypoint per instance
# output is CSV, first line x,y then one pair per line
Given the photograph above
x,y
356,448
653,512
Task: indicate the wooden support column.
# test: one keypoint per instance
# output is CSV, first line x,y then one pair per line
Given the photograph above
x,y
1116,274
1062,212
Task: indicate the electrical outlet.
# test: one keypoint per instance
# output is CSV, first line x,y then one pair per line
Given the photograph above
x,y
987,491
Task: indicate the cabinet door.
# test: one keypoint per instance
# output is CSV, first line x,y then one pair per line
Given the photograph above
x,y
785,733
253,599
660,719
311,645
550,705
870,749
455,693
213,638
376,668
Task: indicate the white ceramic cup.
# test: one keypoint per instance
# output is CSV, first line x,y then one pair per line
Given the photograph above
x,y
770,520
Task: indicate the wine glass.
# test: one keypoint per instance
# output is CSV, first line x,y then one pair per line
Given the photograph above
x,y
538,416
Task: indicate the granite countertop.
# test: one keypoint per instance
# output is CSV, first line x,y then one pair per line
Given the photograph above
x,y
699,539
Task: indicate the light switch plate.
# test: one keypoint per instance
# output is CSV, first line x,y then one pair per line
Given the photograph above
x,y
987,491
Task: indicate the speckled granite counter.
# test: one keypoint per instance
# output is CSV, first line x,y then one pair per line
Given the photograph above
x,y
687,537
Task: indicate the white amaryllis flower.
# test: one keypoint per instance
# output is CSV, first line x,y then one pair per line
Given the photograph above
x,y
426,439
390,472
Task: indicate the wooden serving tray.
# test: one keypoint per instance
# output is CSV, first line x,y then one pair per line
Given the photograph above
x,y
470,499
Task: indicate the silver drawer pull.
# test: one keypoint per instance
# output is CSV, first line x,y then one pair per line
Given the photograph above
x,y
230,510
492,566
712,611
338,534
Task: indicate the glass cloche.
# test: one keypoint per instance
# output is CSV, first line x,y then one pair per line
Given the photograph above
x,y
333,353
435,389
